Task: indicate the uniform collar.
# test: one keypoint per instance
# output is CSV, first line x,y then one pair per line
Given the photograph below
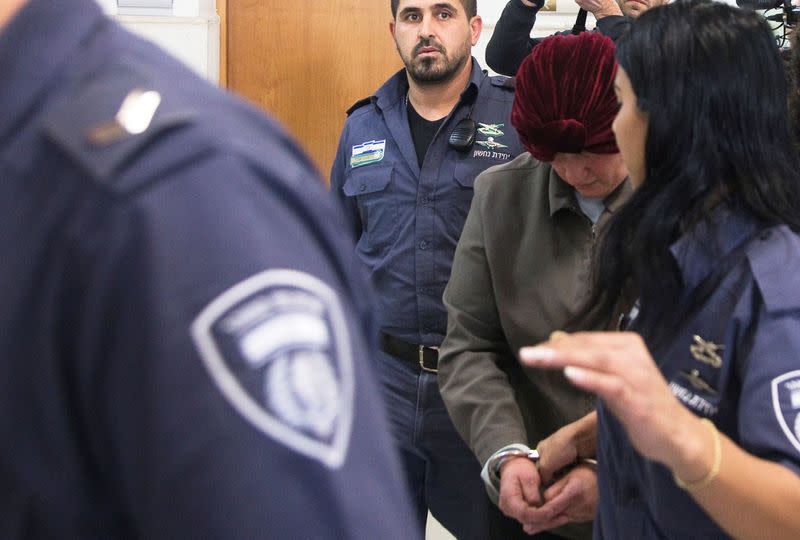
x,y
699,250
34,45
395,89
562,195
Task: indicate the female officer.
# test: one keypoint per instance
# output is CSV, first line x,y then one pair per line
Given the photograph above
x,y
699,425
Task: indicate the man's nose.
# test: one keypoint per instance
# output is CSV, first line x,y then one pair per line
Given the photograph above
x,y
426,27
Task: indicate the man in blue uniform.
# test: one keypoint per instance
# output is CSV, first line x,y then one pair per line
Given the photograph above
x,y
405,167
183,351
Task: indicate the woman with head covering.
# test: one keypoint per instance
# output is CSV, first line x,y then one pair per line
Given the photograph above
x,y
520,271
699,420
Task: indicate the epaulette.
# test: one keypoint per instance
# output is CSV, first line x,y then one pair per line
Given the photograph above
x,y
504,82
110,120
358,104
770,254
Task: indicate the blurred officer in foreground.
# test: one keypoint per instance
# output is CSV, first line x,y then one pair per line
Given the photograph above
x,y
182,348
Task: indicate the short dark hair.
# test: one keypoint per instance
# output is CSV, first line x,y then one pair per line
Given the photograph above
x,y
711,81
470,6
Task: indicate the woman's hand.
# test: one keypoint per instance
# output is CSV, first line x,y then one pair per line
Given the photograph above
x,y
618,367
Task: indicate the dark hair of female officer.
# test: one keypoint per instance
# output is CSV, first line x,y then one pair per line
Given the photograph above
x,y
709,78
793,68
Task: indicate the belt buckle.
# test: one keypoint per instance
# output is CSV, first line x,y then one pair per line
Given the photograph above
x,y
422,358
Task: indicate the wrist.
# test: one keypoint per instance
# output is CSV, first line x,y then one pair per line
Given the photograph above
x,y
505,462
528,3
694,454
494,465
607,12
716,459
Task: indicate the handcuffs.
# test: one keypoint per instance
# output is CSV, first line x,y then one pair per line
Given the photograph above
x,y
501,457
497,461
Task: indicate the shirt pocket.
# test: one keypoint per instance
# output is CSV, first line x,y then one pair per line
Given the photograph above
x,y
459,200
371,186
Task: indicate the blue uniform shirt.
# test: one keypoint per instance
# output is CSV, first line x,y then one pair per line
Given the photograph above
x,y
735,360
182,354
408,219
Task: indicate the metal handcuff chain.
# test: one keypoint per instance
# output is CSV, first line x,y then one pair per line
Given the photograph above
x,y
533,455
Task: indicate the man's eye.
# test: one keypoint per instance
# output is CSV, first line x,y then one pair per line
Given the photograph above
x,y
444,15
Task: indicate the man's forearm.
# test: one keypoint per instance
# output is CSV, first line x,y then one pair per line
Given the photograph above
x,y
511,40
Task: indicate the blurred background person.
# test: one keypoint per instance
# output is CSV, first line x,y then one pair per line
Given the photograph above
x,y
183,328
699,423
520,272
511,41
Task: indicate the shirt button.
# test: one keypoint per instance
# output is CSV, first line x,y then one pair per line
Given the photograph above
x,y
423,245
423,290
425,200
363,187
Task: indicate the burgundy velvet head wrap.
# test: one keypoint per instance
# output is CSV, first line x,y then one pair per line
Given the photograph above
x,y
565,98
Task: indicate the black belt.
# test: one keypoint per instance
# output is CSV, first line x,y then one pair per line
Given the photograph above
x,y
425,357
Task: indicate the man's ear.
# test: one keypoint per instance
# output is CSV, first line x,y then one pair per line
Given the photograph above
x,y
475,25
391,29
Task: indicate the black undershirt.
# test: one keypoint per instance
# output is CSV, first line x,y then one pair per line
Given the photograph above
x,y
422,132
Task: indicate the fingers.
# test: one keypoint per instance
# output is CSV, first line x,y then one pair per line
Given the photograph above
x,y
574,495
610,388
519,488
557,521
531,493
555,452
611,352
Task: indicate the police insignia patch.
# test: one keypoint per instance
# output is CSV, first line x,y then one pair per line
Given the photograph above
x,y
491,129
278,348
366,153
491,143
786,401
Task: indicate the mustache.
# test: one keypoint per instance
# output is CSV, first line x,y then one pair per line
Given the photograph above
x,y
426,42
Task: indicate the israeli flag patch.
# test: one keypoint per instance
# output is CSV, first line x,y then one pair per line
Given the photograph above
x,y
278,348
368,152
786,402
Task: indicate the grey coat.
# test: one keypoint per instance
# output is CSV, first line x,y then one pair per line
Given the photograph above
x,y
520,271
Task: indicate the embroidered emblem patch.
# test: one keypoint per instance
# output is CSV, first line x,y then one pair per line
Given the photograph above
x,y
706,352
491,143
368,152
278,348
491,130
786,402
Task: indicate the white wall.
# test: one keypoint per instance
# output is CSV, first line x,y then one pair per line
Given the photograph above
x,y
189,31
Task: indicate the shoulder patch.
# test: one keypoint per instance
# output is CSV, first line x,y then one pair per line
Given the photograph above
x,y
770,254
504,82
278,348
358,104
110,120
786,404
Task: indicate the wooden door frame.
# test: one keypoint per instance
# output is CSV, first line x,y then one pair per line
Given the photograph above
x,y
222,11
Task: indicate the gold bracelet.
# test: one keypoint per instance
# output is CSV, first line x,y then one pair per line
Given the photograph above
x,y
703,482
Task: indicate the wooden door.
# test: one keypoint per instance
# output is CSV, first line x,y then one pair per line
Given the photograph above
x,y
306,62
